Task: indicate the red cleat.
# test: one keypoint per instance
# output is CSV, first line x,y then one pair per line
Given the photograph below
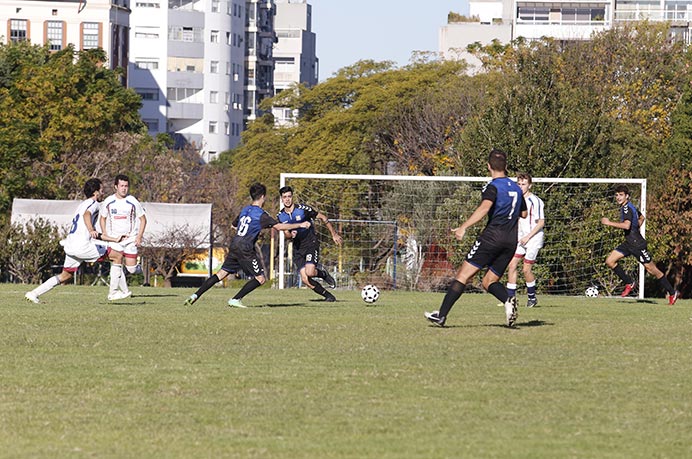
x,y
673,298
628,289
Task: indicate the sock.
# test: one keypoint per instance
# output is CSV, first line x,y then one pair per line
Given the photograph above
x,y
512,289
207,284
321,273
454,292
122,283
47,285
499,291
115,274
247,288
622,274
531,289
318,287
666,285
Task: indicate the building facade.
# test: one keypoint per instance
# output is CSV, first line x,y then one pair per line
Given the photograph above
x,y
259,58
295,56
86,25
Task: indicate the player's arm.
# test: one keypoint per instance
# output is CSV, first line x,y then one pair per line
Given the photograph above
x,y
104,231
335,236
290,226
479,214
623,225
140,233
536,229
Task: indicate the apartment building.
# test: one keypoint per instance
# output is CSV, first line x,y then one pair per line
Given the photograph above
x,y
85,24
259,58
295,57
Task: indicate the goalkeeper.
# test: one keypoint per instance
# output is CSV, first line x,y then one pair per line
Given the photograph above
x,y
503,202
634,245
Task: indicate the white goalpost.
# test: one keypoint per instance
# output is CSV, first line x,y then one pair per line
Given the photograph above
x,y
396,230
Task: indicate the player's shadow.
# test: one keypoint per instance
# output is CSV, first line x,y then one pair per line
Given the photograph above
x,y
637,300
281,305
155,295
519,325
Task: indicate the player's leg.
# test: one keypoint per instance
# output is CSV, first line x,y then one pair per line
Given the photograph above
x,y
230,265
70,265
529,260
492,284
130,264
116,272
321,272
252,266
513,275
652,269
456,288
309,271
612,262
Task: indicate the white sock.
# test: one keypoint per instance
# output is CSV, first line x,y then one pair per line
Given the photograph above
x,y
47,285
123,283
116,274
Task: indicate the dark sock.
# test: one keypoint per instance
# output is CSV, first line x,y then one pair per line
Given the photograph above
x,y
318,287
454,292
247,288
207,284
321,273
666,285
499,291
622,274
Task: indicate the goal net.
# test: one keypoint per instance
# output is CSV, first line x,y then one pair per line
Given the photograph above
x,y
396,231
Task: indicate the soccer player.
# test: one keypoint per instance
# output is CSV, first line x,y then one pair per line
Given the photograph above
x,y
634,245
530,241
306,246
242,254
122,215
502,201
83,242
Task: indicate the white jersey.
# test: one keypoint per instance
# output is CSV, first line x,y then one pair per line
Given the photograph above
x,y
78,236
122,215
534,206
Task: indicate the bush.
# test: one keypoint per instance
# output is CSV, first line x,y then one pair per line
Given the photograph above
x,y
28,252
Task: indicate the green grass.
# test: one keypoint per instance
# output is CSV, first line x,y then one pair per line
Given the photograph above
x,y
296,378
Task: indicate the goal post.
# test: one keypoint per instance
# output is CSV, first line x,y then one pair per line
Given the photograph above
x,y
396,230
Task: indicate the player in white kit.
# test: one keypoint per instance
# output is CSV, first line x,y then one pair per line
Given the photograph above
x,y
529,243
83,243
122,215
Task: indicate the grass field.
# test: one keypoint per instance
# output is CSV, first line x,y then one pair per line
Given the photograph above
x,y
297,378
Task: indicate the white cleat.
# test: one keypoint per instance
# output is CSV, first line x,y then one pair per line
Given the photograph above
x,y
233,303
511,311
31,296
119,295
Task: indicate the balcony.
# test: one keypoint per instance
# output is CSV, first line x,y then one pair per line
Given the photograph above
x,y
185,110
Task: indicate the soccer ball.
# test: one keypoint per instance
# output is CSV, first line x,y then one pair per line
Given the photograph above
x,y
370,294
591,292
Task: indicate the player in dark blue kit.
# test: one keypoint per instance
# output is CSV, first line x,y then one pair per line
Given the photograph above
x,y
241,254
634,245
503,202
306,246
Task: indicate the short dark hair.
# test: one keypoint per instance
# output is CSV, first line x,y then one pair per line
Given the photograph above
x,y
257,190
121,177
524,176
91,186
285,189
497,160
622,189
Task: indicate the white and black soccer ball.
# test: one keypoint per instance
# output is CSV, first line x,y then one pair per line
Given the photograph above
x,y
591,292
370,293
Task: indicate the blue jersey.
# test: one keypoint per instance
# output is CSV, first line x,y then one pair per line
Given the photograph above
x,y
508,204
633,235
301,213
251,220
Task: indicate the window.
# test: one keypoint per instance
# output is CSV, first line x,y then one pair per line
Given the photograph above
x,y
54,35
181,94
226,128
148,94
147,5
214,36
147,64
19,30
215,6
213,127
213,97
90,35
214,67
152,124
147,32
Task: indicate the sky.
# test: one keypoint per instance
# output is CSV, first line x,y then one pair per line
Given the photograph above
x,y
351,30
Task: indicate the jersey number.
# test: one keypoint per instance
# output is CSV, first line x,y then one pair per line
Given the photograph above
x,y
74,224
244,225
514,195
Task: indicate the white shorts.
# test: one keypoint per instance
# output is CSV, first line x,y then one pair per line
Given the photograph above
x,y
126,246
90,252
530,250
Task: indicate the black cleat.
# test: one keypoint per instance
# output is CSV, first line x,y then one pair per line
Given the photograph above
x,y
532,302
434,317
329,298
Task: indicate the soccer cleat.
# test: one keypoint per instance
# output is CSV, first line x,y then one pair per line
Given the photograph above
x,y
329,298
434,318
190,300
532,302
235,303
511,311
118,295
331,283
31,296
628,289
673,298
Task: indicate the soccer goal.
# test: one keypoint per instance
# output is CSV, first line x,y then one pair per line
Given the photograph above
x,y
397,230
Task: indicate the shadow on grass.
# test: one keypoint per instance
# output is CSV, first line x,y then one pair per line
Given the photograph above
x,y
155,295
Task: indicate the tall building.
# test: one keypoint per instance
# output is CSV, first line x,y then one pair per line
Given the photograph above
x,y
85,24
295,57
565,20
187,64
260,37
